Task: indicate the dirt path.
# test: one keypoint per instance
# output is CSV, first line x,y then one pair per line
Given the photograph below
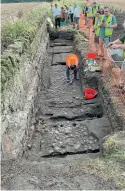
x,y
67,129
68,173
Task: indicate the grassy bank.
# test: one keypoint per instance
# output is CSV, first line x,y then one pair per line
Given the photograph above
x,y
111,166
19,35
25,28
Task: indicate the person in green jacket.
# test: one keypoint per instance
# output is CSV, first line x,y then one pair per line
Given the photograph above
x,y
99,34
89,15
108,24
95,8
97,30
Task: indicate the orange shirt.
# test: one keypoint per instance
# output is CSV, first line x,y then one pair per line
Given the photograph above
x,y
71,59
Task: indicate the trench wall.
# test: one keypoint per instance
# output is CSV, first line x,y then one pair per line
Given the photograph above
x,y
94,80
17,106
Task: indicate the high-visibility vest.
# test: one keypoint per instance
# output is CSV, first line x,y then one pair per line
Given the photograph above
x,y
95,9
108,31
97,28
97,21
90,14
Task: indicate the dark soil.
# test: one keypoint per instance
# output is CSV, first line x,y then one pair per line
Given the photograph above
x,y
67,128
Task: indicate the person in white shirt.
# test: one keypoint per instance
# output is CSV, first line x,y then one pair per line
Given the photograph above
x,y
57,15
76,15
71,13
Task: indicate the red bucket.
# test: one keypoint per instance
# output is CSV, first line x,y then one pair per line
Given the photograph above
x,y
90,93
91,55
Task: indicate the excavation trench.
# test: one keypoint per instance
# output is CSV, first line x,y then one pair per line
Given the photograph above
x,y
59,133
66,123
68,130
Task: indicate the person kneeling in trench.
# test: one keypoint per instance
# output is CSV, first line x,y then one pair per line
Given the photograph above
x,y
71,67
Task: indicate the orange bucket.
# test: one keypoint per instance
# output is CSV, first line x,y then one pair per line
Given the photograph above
x,y
71,59
90,93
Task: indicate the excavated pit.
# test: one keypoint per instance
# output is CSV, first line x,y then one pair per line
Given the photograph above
x,y
65,123
68,131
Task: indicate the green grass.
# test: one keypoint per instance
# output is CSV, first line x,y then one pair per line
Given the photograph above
x,y
24,31
111,166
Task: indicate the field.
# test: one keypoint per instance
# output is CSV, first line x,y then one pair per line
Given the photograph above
x,y
10,11
115,3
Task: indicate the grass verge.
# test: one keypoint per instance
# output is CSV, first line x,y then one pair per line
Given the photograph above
x,y
111,166
20,35
25,28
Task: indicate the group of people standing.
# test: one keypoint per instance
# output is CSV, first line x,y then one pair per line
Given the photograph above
x,y
103,23
67,14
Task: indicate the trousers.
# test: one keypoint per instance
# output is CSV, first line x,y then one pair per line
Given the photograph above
x,y
57,22
71,17
68,73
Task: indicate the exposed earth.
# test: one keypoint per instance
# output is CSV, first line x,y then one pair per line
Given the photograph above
x,y
68,132
68,173
68,129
